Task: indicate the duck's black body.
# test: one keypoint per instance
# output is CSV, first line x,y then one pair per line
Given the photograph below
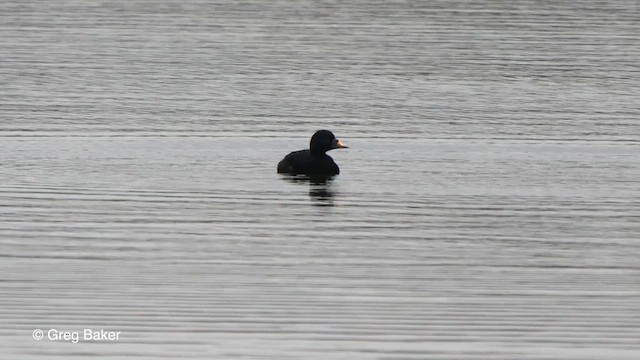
x,y
302,162
313,161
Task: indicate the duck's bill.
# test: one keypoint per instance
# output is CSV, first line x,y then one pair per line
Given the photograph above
x,y
337,144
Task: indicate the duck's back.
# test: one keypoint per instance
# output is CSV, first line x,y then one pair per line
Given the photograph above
x,y
301,162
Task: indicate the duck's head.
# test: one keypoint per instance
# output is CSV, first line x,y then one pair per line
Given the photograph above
x,y
323,141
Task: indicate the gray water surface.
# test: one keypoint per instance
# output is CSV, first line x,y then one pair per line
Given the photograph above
x,y
488,205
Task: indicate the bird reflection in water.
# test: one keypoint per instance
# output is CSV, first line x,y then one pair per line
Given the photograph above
x,y
320,187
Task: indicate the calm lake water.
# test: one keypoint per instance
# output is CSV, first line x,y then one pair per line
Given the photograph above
x,y
488,206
